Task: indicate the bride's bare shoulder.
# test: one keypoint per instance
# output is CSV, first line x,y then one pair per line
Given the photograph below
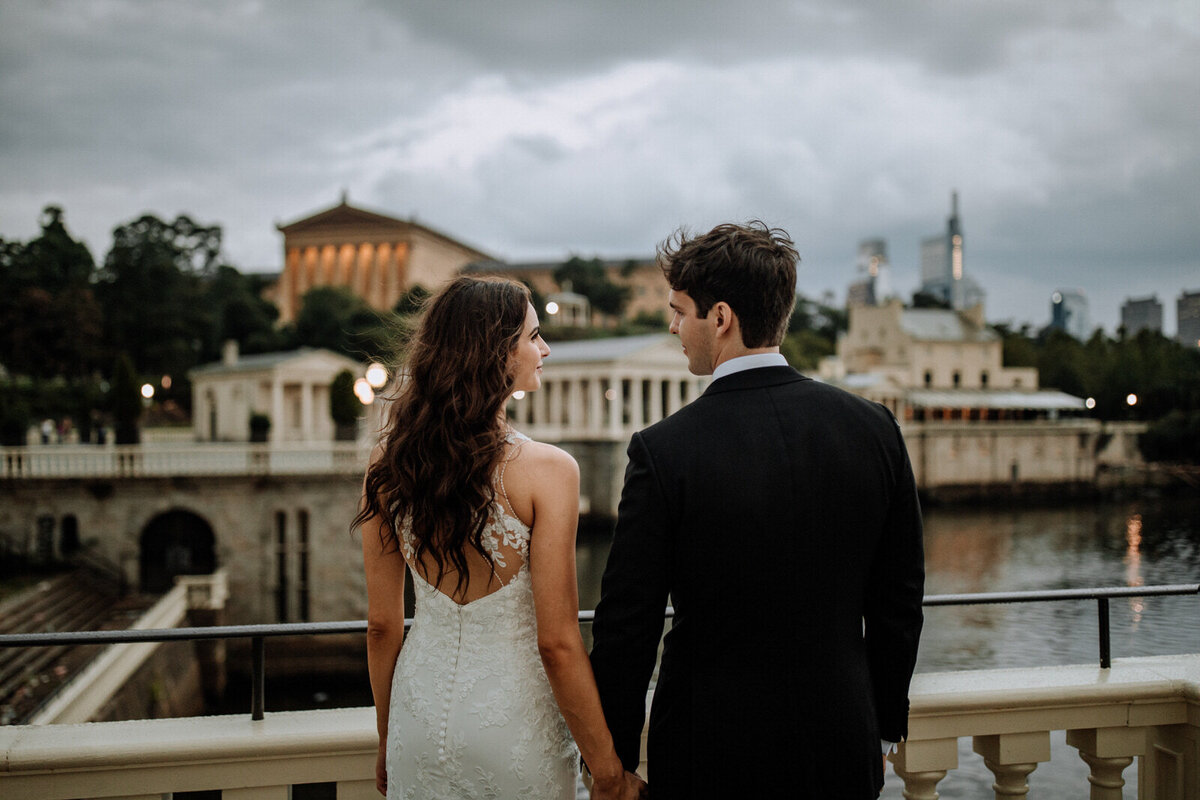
x,y
534,456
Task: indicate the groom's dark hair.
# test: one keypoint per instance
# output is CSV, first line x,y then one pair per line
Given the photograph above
x,y
751,267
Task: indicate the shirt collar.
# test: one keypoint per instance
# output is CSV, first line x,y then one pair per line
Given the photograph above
x,y
752,361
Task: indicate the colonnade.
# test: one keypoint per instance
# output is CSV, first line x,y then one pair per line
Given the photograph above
x,y
374,271
598,405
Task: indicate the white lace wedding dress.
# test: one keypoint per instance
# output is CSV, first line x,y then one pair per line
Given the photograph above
x,y
472,714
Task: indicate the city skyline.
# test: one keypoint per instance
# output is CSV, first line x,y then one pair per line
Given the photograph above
x,y
533,131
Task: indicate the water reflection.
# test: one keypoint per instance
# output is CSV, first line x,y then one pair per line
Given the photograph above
x,y
1133,563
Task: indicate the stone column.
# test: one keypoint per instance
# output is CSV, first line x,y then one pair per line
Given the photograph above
x,y
615,422
276,434
656,399
555,392
575,407
1011,757
383,264
1108,751
674,401
922,764
307,421
637,403
595,402
328,266
366,275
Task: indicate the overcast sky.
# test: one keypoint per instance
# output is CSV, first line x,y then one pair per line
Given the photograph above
x,y
534,130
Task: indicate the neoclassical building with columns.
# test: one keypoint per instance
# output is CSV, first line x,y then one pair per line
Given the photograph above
x,y
595,395
291,388
377,257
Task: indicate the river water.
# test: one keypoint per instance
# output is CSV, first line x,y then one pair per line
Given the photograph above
x,y
1139,541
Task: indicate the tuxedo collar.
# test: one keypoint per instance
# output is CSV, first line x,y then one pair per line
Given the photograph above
x,y
755,379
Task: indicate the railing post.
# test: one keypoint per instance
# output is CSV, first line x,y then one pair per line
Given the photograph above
x,y
1105,645
257,677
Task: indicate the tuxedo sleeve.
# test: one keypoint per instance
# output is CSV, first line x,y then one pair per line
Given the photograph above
x,y
633,598
892,613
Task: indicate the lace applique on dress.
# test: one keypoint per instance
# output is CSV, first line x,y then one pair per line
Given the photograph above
x,y
472,714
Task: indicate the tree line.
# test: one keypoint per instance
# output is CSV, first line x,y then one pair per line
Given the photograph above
x,y
79,337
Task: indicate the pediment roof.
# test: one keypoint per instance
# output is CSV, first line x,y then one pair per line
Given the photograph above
x,y
350,218
343,215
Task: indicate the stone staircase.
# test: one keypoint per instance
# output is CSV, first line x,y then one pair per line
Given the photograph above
x,y
80,600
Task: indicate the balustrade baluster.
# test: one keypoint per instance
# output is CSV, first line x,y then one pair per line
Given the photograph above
x,y
1107,752
1011,757
923,764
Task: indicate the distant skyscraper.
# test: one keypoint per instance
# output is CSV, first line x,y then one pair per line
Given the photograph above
x,y
873,286
943,265
1069,312
1141,314
1187,315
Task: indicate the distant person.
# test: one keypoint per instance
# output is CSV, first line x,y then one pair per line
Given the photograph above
x,y
780,517
493,680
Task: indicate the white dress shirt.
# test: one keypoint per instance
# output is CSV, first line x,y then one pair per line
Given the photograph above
x,y
752,361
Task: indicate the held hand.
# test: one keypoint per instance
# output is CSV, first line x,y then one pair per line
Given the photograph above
x,y
381,770
629,787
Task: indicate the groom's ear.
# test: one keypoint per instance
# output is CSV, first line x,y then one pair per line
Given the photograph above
x,y
723,317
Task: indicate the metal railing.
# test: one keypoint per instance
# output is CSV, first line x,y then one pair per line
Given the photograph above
x,y
259,633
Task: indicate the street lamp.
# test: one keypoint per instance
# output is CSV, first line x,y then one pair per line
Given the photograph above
x,y
552,308
1131,399
1090,403
377,375
364,392
147,391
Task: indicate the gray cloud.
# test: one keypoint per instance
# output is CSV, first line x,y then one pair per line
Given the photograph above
x,y
535,129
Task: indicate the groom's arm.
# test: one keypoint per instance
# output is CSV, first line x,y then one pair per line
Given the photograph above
x,y
893,614
633,598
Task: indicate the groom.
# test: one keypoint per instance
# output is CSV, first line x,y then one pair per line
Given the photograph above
x,y
780,517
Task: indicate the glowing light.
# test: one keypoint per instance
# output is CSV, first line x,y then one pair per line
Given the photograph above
x,y
377,375
364,392
552,307
1056,298
166,381
1090,403
147,391
1131,399
518,394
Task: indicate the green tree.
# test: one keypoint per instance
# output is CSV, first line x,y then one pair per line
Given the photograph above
x,y
411,301
589,279
240,313
344,406
49,318
335,318
151,290
125,401
1175,437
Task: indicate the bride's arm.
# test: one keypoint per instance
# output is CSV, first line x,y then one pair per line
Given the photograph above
x,y
385,628
553,477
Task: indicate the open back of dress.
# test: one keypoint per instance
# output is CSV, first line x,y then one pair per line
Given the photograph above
x,y
472,713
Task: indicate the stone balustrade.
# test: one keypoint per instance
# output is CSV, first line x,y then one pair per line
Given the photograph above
x,y
169,460
1144,708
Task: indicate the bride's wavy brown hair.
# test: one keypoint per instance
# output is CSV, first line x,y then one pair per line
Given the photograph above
x,y
444,436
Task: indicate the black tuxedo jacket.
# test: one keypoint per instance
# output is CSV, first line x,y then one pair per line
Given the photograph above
x,y
780,516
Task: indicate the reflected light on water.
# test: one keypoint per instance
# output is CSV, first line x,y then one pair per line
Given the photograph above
x,y
1133,564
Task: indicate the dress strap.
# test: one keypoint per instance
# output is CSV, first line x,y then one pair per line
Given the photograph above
x,y
512,437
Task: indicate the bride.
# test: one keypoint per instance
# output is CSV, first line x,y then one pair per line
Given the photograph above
x,y
492,690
